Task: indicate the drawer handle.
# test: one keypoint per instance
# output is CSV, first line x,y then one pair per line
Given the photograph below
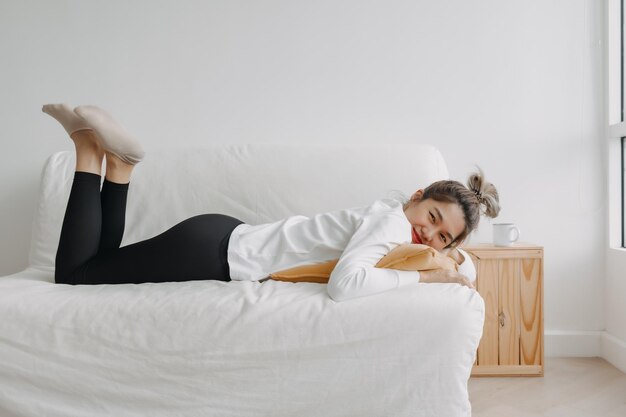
x,y
501,318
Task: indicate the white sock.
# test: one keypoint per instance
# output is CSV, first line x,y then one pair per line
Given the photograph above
x,y
64,114
113,137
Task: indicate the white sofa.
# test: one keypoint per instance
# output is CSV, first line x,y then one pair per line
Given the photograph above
x,y
211,348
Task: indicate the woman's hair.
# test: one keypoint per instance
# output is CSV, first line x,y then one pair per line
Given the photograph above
x,y
479,197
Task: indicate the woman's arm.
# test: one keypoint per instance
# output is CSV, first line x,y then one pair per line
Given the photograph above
x,y
355,274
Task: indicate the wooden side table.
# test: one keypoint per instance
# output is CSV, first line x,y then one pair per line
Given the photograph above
x,y
510,280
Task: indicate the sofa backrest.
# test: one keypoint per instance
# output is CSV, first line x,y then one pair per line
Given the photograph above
x,y
257,183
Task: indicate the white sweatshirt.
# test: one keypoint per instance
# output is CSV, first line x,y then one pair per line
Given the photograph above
x,y
359,237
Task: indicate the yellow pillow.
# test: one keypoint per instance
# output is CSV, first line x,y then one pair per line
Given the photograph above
x,y
405,257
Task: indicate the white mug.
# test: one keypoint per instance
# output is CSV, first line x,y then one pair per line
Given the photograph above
x,y
505,234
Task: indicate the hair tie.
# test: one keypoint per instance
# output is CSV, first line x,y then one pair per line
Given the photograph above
x,y
479,195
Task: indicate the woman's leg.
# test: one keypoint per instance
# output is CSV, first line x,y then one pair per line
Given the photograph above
x,y
113,201
94,220
195,249
80,233
89,253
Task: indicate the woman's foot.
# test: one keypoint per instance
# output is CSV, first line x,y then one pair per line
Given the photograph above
x,y
113,137
64,114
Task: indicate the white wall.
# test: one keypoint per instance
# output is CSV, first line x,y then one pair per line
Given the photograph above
x,y
614,338
515,86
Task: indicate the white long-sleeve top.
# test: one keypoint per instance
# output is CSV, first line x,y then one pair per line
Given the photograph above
x,y
359,237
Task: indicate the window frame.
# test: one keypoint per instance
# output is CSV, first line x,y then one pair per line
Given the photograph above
x,y
616,126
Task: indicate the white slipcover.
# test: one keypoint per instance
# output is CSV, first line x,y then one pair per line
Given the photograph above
x,y
211,348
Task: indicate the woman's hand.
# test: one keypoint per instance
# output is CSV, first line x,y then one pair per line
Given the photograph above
x,y
446,276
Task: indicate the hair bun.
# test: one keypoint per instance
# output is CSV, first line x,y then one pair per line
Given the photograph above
x,y
485,192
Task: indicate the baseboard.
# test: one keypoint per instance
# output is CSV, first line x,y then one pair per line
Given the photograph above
x,y
572,343
614,351
586,344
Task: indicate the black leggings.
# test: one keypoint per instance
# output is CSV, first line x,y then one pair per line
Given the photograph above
x,y
89,247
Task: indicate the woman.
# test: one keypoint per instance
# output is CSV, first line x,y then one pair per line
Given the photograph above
x,y
220,247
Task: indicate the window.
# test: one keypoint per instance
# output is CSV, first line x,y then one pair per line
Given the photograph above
x,y
617,125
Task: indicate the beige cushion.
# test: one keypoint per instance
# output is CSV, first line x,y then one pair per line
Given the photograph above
x,y
405,257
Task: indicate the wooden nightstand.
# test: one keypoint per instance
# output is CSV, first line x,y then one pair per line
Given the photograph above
x,y
510,280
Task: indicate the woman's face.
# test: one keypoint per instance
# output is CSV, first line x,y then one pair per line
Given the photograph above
x,y
435,224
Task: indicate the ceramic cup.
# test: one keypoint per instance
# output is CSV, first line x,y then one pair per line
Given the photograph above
x,y
505,234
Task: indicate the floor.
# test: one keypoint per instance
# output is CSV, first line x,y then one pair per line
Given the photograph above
x,y
572,387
